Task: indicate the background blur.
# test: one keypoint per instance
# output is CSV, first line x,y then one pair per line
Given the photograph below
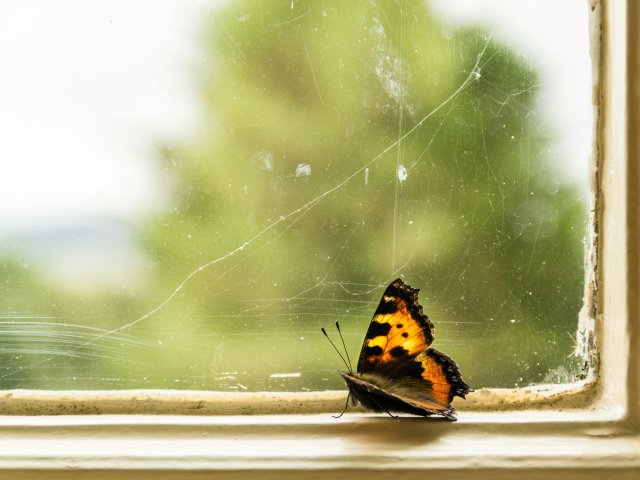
x,y
189,191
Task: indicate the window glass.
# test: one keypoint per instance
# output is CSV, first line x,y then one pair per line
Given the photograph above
x,y
188,192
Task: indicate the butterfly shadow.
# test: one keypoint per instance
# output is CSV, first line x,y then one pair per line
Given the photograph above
x,y
401,431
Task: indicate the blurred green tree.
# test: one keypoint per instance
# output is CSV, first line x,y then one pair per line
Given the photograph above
x,y
350,93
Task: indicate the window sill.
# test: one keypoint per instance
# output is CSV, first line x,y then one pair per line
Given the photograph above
x,y
187,402
207,433
531,443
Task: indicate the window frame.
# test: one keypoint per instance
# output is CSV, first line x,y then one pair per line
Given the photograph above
x,y
584,430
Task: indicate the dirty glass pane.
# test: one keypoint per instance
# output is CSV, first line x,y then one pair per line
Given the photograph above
x,y
190,190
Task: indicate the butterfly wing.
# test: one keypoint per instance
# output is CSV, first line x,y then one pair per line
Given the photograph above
x,y
443,375
396,358
398,328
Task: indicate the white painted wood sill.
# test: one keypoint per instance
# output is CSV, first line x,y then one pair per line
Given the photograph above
x,y
532,443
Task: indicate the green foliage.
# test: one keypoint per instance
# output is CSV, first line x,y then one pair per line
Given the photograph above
x,y
482,223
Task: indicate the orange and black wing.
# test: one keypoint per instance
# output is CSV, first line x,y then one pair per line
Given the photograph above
x,y
399,329
441,374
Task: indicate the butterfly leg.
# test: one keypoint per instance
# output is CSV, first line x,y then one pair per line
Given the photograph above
x,y
385,410
345,407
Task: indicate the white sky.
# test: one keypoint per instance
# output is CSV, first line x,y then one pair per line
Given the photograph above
x,y
87,87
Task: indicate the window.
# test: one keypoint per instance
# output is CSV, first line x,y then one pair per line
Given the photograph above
x,y
190,221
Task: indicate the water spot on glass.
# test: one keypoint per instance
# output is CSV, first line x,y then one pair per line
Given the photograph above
x,y
402,173
303,170
388,66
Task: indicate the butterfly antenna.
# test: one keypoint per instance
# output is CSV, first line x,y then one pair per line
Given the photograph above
x,y
345,347
335,348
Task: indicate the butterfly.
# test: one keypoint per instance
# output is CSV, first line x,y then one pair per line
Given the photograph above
x,y
397,370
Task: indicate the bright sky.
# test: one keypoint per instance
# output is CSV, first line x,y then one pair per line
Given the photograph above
x,y
87,88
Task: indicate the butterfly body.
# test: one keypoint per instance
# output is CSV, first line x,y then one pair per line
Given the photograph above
x,y
397,370
378,394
